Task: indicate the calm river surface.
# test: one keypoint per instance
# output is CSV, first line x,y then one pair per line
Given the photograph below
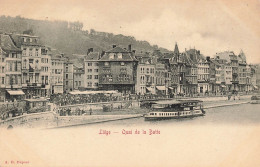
x,y
225,136
244,114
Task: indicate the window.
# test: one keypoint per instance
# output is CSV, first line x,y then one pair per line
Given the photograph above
x,y
95,84
96,64
3,80
96,70
89,76
119,55
79,83
76,83
30,52
37,52
67,69
89,70
67,76
96,76
89,64
89,84
111,56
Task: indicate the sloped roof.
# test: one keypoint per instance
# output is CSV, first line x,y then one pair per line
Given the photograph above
x,y
176,49
126,55
7,44
117,50
18,40
78,64
92,56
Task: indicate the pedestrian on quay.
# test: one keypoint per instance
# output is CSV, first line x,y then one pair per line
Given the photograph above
x,y
90,111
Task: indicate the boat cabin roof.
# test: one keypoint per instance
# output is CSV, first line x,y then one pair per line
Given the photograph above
x,y
171,102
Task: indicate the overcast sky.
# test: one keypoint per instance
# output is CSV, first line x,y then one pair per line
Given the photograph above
x,y
208,25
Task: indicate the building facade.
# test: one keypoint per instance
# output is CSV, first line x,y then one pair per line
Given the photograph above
x,y
10,67
57,68
91,77
68,76
118,70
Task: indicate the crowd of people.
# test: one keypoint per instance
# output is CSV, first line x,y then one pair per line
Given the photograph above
x,y
69,112
69,99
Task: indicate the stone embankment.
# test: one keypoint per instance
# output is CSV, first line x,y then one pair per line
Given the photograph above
x,y
52,120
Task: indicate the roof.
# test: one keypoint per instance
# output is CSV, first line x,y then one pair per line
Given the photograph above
x,y
126,55
7,43
18,40
176,49
228,55
117,50
78,64
92,56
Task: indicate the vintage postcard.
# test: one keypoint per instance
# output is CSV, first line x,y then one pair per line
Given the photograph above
x,y
129,83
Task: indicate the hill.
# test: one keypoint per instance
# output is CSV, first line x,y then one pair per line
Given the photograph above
x,y
69,37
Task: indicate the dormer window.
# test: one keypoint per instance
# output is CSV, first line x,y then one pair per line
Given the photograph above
x,y
106,63
122,63
119,55
30,39
111,56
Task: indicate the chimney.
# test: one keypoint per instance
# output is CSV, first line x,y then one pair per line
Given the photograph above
x,y
90,50
130,48
114,46
102,54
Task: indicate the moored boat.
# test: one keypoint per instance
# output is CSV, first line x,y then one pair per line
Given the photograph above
x,y
174,109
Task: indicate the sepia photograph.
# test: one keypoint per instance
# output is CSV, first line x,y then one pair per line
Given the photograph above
x,y
129,83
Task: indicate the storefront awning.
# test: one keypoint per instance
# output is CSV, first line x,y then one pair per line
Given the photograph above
x,y
161,87
223,86
255,87
15,92
149,89
170,88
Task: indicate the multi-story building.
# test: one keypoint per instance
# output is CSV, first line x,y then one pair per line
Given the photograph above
x,y
10,67
68,75
78,75
91,78
203,76
191,58
57,68
253,69
146,79
118,70
242,72
233,61
45,74
225,75
228,77
31,64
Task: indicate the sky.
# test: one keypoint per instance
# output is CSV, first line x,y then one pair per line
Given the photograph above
x,y
210,26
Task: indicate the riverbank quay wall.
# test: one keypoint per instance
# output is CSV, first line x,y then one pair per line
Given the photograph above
x,y
53,120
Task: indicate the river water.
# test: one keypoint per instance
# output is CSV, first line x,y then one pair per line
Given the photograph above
x,y
244,114
225,136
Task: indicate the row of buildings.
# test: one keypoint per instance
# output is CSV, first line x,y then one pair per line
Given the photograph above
x,y
29,68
